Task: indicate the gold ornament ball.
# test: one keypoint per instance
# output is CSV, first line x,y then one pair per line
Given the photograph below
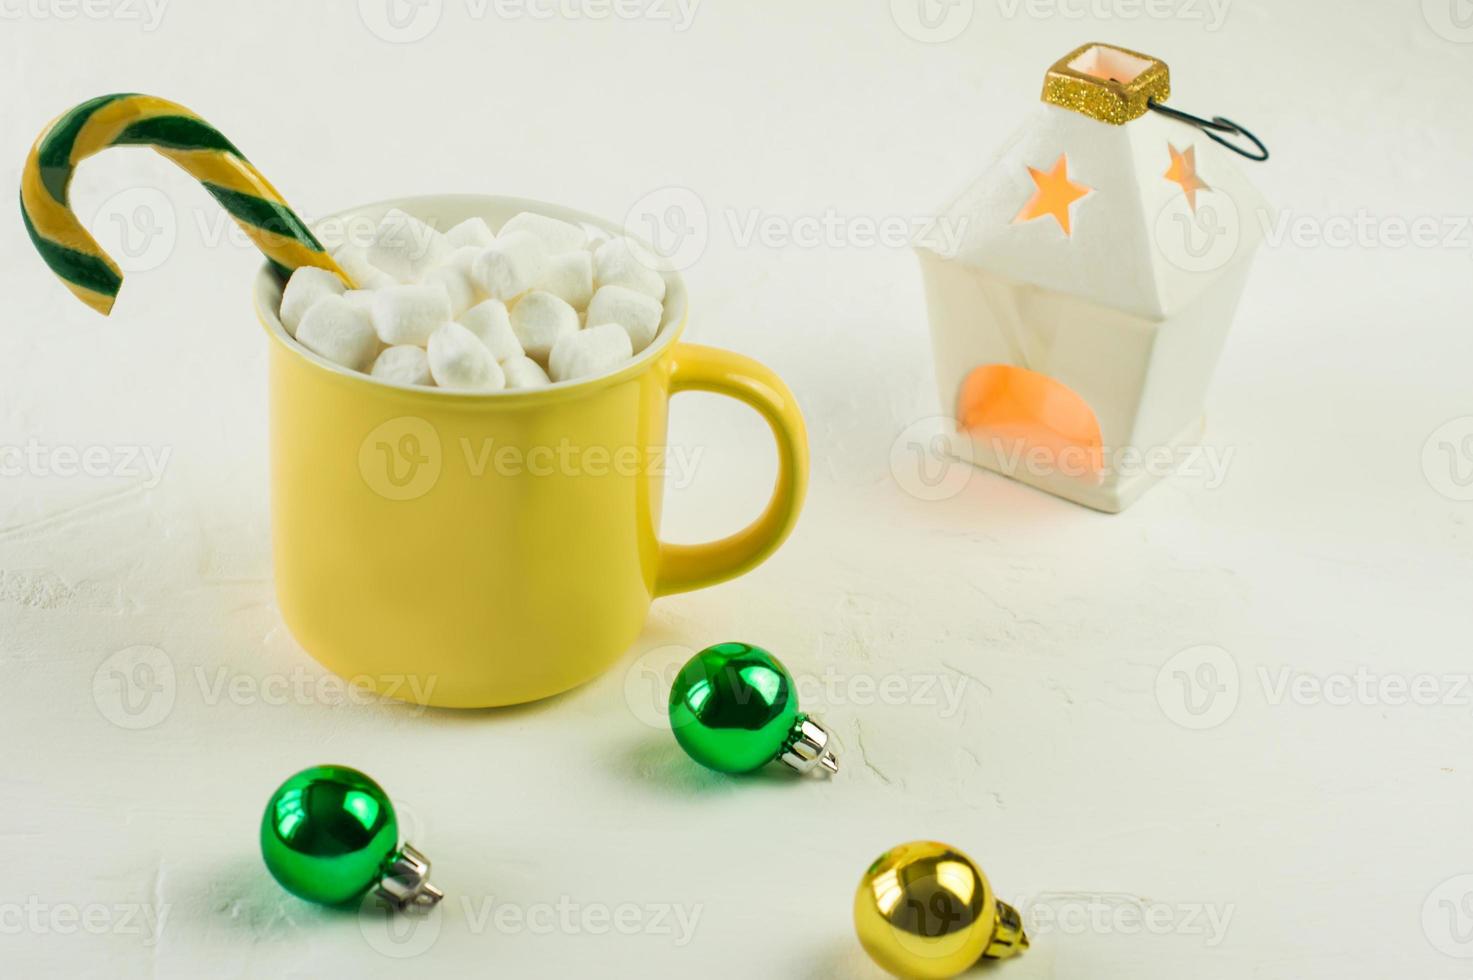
x,y
924,910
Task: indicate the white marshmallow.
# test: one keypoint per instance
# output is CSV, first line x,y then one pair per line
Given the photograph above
x,y
459,360
636,312
455,276
491,324
471,231
596,239
304,289
558,236
568,276
404,365
620,262
540,320
409,314
508,267
362,298
340,332
405,247
523,372
589,352
353,259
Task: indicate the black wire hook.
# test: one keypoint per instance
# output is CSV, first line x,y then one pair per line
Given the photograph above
x,y
1213,126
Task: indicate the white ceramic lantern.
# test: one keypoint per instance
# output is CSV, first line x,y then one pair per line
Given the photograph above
x,y
1099,261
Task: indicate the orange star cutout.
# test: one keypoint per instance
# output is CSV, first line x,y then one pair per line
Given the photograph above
x,y
1054,195
1183,171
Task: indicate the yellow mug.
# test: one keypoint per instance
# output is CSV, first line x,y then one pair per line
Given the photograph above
x,y
471,550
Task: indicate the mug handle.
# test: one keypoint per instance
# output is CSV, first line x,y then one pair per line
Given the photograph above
x,y
683,567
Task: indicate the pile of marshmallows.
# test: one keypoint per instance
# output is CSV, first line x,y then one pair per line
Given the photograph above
x,y
476,311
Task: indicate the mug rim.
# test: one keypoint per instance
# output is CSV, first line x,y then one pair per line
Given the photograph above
x,y
266,294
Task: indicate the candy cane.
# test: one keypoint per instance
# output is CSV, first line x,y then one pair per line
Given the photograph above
x,y
180,135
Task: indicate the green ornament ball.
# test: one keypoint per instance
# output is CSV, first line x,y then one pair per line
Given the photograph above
x,y
733,707
327,834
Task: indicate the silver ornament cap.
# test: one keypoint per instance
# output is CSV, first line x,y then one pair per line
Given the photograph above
x,y
808,749
406,881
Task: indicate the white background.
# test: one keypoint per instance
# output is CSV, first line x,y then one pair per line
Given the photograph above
x,y
1328,836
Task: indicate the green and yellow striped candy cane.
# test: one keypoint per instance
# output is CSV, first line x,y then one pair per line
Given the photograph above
x,y
175,132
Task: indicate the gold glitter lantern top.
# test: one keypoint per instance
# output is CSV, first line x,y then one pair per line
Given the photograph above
x,y
1113,85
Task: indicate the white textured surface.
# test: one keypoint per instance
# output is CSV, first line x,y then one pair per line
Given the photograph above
x,y
1325,832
